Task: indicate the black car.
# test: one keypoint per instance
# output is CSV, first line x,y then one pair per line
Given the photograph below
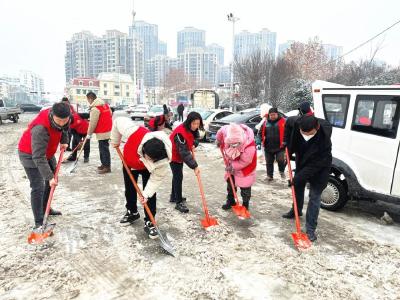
x,y
250,119
30,107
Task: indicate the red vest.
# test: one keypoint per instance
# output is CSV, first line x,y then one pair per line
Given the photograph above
x,y
252,166
79,124
131,155
42,118
189,138
105,120
281,125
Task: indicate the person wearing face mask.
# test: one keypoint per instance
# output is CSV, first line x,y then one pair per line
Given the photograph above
x,y
183,140
272,134
311,144
36,150
147,154
239,146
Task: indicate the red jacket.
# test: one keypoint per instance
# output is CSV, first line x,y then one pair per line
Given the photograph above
x,y
42,118
131,155
105,120
189,138
79,124
281,125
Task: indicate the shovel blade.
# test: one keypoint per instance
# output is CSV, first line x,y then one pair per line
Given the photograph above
x,y
165,243
36,238
208,222
73,167
241,211
301,240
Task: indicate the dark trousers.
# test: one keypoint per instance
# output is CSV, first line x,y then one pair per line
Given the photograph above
x,y
244,192
177,179
180,117
76,138
131,195
104,149
40,190
318,182
270,158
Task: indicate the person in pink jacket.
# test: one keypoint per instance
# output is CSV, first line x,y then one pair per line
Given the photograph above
x,y
238,144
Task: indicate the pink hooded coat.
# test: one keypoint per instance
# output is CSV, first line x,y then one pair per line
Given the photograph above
x,y
246,154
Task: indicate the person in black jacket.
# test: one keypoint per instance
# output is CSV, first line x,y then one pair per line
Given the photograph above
x,y
180,111
311,143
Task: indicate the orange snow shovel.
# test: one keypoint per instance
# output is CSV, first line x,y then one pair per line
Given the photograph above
x,y
238,209
164,242
207,221
301,240
46,229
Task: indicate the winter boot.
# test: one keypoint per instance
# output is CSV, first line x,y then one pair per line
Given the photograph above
x,y
86,160
105,170
100,167
130,217
290,214
150,230
228,205
181,206
283,176
311,235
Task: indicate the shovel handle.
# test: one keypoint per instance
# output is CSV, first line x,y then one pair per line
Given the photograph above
x,y
230,177
203,197
83,146
296,213
138,191
53,188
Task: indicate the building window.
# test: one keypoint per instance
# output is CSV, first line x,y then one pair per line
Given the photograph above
x,y
105,85
335,109
105,93
90,83
84,92
80,83
116,93
127,87
378,115
127,94
116,86
78,91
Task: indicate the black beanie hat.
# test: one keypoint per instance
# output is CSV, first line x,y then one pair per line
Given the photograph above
x,y
273,110
304,107
308,123
61,110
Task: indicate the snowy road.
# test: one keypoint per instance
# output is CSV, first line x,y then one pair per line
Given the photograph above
x,y
93,256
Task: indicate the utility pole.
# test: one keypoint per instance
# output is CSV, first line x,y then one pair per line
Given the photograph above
x,y
233,19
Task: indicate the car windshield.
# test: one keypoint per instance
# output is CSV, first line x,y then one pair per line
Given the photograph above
x,y
205,114
236,118
156,109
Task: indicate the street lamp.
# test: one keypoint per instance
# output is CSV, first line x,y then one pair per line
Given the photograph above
x,y
233,19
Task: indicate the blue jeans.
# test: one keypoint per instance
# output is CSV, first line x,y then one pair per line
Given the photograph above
x,y
318,181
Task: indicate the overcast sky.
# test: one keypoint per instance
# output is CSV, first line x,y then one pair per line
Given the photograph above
x,y
33,32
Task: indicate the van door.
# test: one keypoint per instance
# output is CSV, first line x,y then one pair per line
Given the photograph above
x,y
396,175
373,143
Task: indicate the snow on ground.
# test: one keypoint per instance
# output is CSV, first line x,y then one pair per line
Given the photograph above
x,y
93,256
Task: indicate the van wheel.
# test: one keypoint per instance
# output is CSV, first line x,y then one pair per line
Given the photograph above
x,y
334,197
15,118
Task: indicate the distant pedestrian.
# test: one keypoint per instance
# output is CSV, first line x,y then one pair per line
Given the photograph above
x,y
180,111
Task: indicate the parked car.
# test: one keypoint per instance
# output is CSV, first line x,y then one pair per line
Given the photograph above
x,y
250,119
138,112
46,106
8,112
365,143
208,116
154,111
29,107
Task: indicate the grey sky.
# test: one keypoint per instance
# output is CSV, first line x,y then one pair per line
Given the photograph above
x,y
33,33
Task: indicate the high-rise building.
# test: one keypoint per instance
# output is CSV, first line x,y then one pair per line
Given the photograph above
x,y
87,55
157,69
190,37
148,34
246,43
162,48
33,83
284,47
199,65
332,51
224,74
219,51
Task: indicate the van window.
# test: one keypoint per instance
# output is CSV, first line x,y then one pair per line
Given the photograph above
x,y
335,109
377,115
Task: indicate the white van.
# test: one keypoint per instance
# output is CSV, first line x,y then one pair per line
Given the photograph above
x,y
365,143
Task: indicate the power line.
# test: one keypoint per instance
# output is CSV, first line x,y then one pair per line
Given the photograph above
x,y
371,39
